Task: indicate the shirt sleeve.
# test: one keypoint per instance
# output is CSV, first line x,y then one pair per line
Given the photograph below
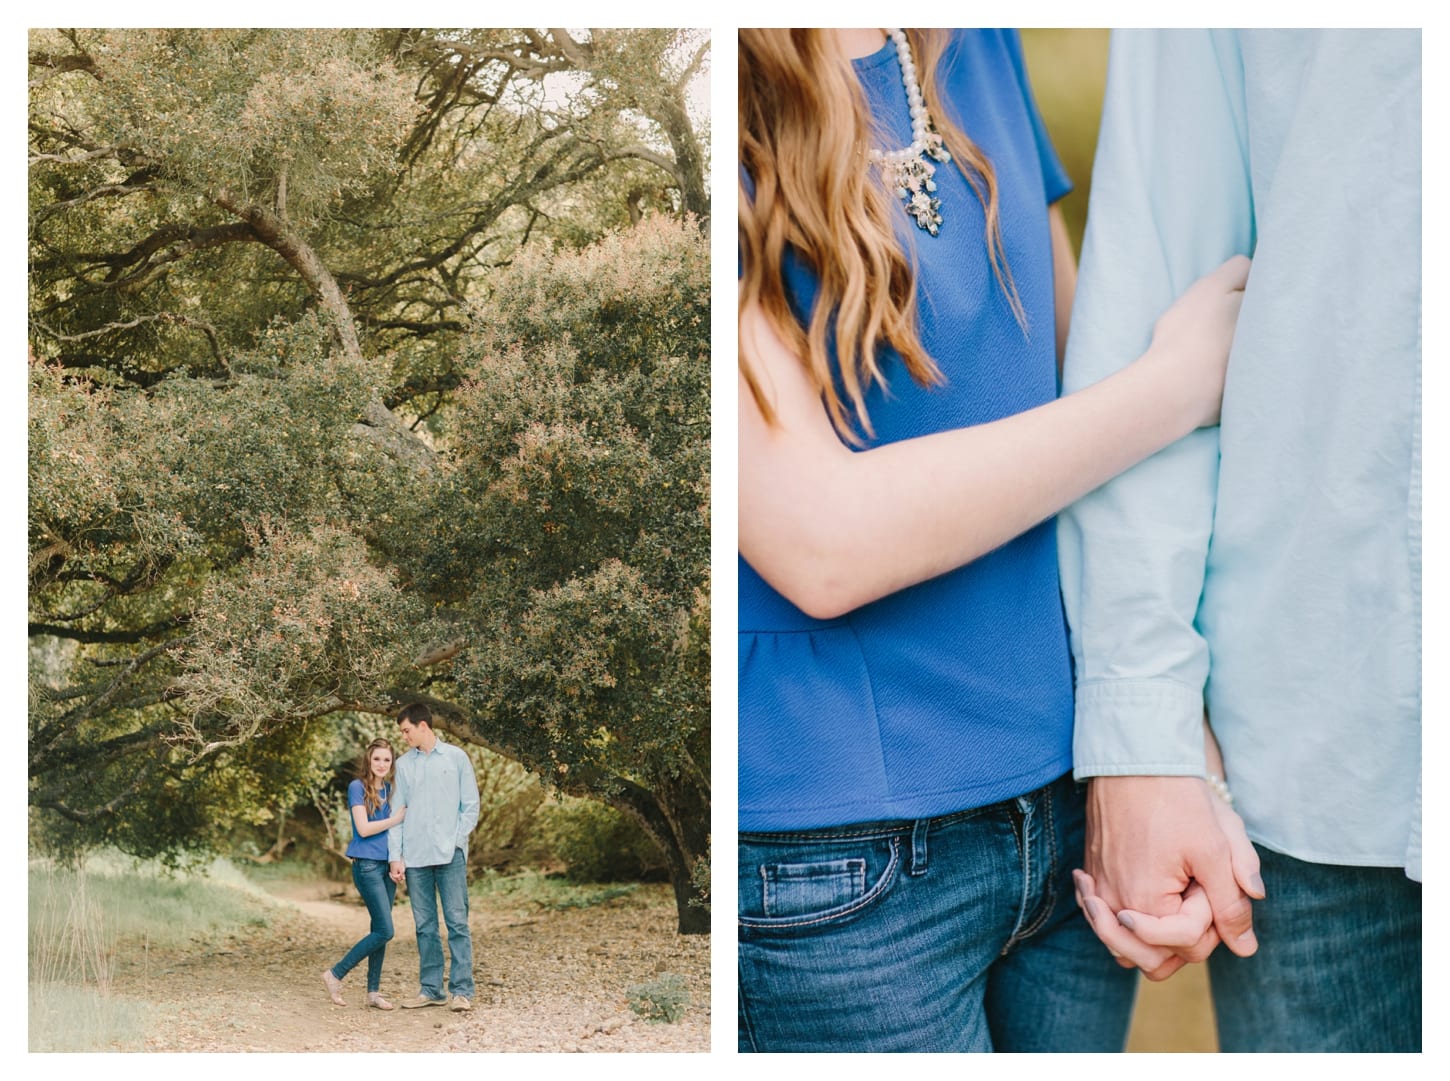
x,y
467,801
355,795
1055,180
399,800
1170,202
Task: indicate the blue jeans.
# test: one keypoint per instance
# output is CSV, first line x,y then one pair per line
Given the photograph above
x,y
427,886
1338,964
957,933
377,890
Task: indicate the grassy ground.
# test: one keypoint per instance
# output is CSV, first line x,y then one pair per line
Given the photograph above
x,y
77,917
125,956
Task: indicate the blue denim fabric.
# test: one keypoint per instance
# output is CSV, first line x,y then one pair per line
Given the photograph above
x,y
377,890
1338,964
957,933
427,886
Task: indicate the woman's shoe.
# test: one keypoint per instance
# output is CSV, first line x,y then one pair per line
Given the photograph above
x,y
377,1002
334,988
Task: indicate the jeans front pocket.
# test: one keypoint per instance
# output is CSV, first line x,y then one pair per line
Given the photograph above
x,y
794,889
801,882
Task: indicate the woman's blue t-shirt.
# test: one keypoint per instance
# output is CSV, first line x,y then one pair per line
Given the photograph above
x,y
376,846
956,692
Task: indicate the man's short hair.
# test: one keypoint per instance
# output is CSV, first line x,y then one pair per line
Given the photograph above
x,y
417,713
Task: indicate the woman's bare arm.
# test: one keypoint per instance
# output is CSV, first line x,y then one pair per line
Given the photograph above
x,y
366,828
832,529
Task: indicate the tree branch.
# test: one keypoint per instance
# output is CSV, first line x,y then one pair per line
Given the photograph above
x,y
440,653
46,212
159,317
59,65
140,634
301,257
644,153
58,805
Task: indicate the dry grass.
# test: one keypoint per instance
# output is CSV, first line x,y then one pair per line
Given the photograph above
x,y
72,962
77,918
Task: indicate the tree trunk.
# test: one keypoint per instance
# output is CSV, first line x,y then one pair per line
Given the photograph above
x,y
675,812
689,159
677,818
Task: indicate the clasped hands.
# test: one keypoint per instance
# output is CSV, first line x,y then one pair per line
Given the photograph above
x,y
1170,873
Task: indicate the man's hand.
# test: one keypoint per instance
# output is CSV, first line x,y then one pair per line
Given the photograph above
x,y
395,871
1150,948
1148,838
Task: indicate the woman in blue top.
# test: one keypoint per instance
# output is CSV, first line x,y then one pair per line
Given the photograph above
x,y
367,797
908,818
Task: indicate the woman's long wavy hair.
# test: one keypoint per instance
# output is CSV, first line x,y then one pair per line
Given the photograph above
x,y
805,135
372,786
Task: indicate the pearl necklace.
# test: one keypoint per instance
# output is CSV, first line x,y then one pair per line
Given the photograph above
x,y
906,172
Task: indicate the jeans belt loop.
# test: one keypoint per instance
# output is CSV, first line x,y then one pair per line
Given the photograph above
x,y
918,846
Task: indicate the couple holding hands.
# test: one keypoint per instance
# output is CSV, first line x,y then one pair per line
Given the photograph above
x,y
411,823
1067,657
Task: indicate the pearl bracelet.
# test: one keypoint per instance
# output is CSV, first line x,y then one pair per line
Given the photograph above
x,y
1220,788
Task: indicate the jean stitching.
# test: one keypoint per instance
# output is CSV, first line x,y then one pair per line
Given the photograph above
x,y
855,872
1049,885
919,854
1020,822
876,831
831,915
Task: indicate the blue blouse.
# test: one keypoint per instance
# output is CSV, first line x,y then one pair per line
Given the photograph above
x,y
956,692
376,846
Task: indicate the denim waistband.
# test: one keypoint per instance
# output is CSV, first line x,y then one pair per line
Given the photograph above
x,y
902,826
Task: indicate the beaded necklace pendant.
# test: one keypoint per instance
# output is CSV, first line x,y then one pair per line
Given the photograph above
x,y
908,172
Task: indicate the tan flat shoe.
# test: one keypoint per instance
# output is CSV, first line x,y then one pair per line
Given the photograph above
x,y
377,1002
334,988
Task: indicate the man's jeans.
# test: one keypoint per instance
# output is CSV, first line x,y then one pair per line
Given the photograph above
x,y
957,933
1338,964
377,890
448,883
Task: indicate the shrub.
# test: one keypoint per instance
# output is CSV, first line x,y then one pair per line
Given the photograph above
x,y
663,999
599,843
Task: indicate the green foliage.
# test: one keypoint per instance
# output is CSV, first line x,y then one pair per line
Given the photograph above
x,y
300,450
225,109
573,525
700,882
313,625
661,999
407,163
534,891
116,897
509,797
599,843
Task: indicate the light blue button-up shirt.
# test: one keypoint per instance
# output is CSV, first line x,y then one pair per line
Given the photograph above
x,y
1269,568
439,790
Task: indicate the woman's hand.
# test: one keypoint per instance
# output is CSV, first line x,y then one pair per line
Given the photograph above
x,y
397,819
1146,942
1191,340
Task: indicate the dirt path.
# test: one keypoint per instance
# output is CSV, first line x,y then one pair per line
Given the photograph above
x,y
546,981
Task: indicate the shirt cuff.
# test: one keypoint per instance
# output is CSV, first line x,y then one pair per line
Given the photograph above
x,y
1138,727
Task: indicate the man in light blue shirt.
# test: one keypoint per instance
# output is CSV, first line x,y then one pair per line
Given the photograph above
x,y
435,783
1267,571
